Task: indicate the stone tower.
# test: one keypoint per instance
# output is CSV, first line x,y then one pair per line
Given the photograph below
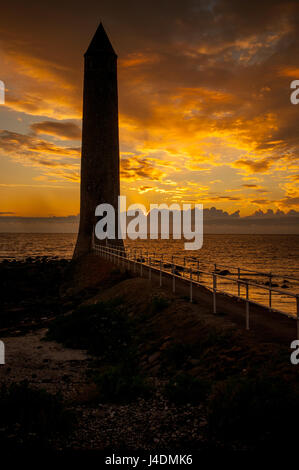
x,y
100,146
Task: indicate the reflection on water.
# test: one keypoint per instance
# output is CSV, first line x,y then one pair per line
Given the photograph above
x,y
22,245
276,253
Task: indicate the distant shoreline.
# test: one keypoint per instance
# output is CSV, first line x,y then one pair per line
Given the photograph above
x,y
205,233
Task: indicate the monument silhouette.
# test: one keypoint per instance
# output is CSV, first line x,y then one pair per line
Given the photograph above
x,y
100,141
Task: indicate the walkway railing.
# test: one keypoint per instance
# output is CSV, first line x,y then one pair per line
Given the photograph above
x,y
139,260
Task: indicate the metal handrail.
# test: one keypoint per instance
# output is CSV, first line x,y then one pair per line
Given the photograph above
x,y
125,255
223,276
259,273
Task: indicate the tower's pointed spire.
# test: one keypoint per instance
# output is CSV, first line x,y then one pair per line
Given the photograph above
x,y
100,43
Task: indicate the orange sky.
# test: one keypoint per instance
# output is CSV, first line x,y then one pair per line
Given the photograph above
x,y
204,97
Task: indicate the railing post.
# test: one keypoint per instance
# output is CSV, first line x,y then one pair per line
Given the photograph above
x,y
214,293
247,306
173,279
160,272
150,269
270,291
239,286
197,270
191,282
141,268
134,261
297,302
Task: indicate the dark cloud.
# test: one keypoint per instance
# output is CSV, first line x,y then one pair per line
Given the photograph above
x,y
255,166
215,221
12,142
139,168
225,198
64,130
290,201
28,150
260,201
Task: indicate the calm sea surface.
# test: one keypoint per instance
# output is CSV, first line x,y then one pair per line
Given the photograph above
x,y
276,253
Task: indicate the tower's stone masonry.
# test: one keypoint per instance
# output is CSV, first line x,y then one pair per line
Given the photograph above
x,y
100,142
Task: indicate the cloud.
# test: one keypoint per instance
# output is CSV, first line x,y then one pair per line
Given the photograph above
x,y
53,160
138,59
13,142
16,224
260,202
290,201
256,166
63,130
145,189
215,221
39,86
139,168
224,198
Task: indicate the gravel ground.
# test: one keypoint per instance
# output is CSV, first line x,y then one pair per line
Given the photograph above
x,y
44,364
141,425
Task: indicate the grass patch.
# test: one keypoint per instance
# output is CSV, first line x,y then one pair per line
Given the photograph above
x,y
121,384
186,389
104,329
175,355
214,338
120,275
29,416
159,303
254,411
186,298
